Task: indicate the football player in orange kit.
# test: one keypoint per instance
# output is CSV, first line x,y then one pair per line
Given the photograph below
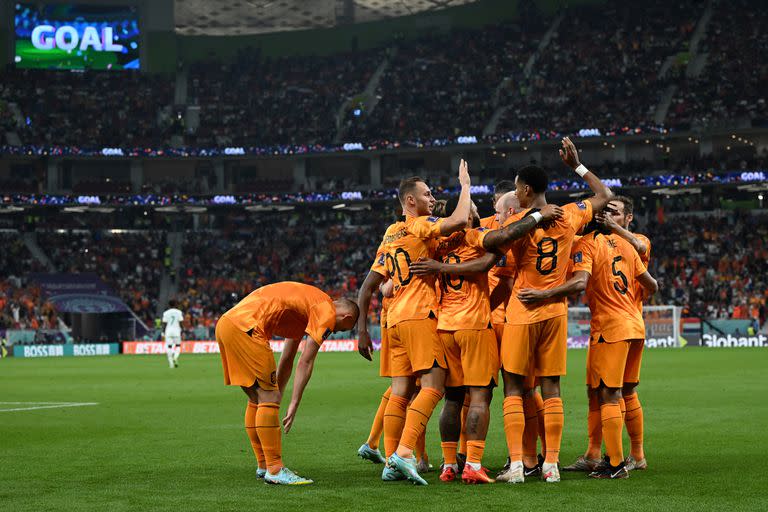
x,y
608,268
535,335
616,218
289,310
415,347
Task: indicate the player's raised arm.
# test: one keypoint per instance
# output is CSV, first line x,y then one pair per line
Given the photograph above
x,y
497,239
479,265
458,219
574,286
372,282
303,373
626,234
570,157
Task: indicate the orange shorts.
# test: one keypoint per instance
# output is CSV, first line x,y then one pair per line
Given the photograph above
x,y
634,359
414,347
384,362
473,357
247,357
498,331
538,349
606,362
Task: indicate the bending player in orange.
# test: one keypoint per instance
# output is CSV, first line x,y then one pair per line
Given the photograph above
x,y
289,310
607,267
535,335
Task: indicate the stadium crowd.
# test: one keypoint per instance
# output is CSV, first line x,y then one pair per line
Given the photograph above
x,y
602,70
333,249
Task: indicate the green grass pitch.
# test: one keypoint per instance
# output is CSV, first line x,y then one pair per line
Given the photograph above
x,y
162,439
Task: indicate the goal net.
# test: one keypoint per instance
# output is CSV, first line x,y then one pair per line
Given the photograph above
x,y
662,326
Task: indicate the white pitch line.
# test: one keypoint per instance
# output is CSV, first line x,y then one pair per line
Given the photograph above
x,y
50,405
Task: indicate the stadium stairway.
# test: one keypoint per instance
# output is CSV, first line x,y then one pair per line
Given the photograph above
x,y
367,96
499,110
699,59
30,240
170,281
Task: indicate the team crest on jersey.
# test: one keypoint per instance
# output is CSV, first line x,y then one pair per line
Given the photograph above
x,y
433,219
578,257
581,205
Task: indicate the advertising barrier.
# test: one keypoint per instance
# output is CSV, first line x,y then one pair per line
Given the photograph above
x,y
79,350
211,347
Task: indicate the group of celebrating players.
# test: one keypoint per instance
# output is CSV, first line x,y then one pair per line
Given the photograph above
x,y
464,298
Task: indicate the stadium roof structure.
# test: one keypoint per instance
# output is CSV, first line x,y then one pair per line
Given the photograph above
x,y
239,17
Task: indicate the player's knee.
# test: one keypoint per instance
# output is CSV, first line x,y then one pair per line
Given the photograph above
x,y
550,387
609,395
513,384
455,394
630,388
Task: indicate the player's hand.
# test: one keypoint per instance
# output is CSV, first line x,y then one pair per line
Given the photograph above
x,y
424,266
365,345
551,212
531,296
387,288
290,415
606,220
569,154
464,173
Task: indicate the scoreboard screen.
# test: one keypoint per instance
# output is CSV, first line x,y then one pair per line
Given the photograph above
x,y
71,36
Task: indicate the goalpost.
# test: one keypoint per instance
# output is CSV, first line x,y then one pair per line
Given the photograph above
x,y
662,326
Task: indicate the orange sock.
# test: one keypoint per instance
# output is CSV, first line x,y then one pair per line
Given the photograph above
x,y
416,419
634,420
449,451
421,447
475,451
612,425
268,429
540,414
514,424
250,429
594,428
378,422
623,407
463,435
553,428
531,431
394,419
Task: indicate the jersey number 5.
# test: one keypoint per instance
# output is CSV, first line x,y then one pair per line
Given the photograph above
x,y
618,273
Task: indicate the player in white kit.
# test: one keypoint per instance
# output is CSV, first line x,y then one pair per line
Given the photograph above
x,y
172,319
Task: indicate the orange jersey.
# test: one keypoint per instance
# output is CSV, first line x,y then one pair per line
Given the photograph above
x,y
464,300
404,242
542,260
497,315
613,265
380,268
286,309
